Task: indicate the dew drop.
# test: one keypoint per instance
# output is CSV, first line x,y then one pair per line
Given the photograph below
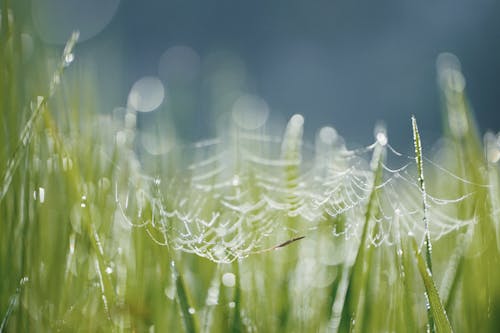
x,y
72,244
24,280
170,292
236,180
39,194
381,138
83,204
192,311
108,270
68,59
232,305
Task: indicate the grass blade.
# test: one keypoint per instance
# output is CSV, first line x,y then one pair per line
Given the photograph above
x,y
435,305
421,182
187,314
355,302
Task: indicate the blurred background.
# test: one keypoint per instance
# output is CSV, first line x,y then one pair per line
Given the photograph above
x,y
188,66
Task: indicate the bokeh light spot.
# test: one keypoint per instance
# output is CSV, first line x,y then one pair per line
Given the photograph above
x,y
55,20
250,112
146,94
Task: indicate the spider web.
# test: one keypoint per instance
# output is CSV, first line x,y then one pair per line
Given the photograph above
x,y
243,195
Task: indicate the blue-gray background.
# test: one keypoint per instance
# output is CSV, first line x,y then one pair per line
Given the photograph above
x,y
341,63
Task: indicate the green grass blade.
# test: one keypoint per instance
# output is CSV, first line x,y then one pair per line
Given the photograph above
x,y
237,323
421,182
37,108
435,305
353,309
188,316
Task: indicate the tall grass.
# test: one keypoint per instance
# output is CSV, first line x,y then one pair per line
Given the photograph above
x,y
248,233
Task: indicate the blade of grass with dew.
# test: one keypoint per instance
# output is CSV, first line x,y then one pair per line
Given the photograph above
x,y
462,130
353,310
211,302
73,180
421,183
13,303
37,108
237,325
186,310
439,314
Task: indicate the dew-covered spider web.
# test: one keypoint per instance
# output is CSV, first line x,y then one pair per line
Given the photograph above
x,y
248,192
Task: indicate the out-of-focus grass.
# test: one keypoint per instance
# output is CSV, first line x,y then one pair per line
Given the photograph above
x,y
89,240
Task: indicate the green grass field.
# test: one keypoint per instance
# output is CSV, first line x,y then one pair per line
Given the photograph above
x,y
251,232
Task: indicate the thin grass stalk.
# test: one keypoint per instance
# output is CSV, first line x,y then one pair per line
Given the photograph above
x,y
353,309
425,208
439,315
188,316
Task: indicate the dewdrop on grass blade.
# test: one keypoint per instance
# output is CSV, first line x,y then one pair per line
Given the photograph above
x,y
37,107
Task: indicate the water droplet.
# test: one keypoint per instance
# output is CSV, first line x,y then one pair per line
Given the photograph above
x,y
229,279
68,59
24,280
381,138
219,252
39,194
232,305
170,292
213,296
192,311
72,244
236,180
108,270
83,204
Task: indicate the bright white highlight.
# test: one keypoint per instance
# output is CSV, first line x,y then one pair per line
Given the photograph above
x,y
229,279
146,94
